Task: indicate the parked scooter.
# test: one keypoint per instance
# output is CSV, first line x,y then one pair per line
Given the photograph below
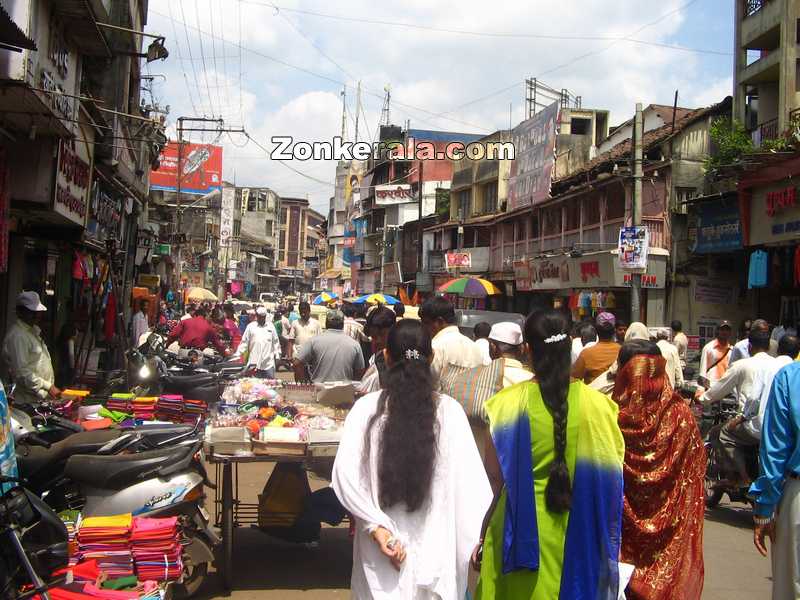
x,y
34,544
154,475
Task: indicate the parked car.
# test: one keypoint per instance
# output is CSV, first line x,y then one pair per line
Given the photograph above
x,y
467,319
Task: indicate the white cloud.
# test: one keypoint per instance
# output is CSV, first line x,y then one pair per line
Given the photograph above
x,y
430,72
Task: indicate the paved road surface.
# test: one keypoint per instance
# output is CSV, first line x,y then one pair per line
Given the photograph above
x,y
269,569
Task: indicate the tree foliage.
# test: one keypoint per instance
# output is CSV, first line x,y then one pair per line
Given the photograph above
x,y
729,140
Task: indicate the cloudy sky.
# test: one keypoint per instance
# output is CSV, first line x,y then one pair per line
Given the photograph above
x,y
278,68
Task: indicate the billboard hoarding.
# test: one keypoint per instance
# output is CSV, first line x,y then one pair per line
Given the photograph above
x,y
201,169
634,243
535,157
398,193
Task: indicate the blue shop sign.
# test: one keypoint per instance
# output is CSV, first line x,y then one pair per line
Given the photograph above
x,y
719,228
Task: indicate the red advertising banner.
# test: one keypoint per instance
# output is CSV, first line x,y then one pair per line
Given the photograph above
x,y
201,169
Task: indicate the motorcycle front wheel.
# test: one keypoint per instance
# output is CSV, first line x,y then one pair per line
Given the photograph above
x,y
194,575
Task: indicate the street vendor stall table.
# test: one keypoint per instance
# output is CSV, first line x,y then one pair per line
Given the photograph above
x,y
230,512
229,446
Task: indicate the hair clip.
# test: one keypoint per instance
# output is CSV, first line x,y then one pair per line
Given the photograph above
x,y
558,337
413,354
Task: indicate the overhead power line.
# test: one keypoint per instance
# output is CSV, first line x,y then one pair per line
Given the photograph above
x,y
487,34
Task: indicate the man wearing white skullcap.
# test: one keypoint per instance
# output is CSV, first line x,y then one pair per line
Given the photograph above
x,y
505,341
262,345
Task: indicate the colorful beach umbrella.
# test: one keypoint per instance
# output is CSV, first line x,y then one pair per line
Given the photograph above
x,y
470,287
376,299
325,298
198,294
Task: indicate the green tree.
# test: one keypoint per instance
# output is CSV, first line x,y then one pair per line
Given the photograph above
x,y
729,141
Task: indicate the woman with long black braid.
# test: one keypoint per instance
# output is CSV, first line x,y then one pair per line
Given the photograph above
x,y
409,472
555,463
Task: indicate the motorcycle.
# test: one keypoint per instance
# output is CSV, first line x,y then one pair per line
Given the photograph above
x,y
35,542
721,476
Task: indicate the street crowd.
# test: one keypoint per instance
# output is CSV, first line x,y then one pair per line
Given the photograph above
x,y
556,459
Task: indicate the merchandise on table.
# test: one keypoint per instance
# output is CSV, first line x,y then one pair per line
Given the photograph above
x,y
120,402
107,540
144,407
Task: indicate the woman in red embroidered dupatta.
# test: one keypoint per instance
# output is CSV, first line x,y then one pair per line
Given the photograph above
x,y
665,463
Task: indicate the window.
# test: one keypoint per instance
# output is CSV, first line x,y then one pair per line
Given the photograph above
x,y
534,227
552,220
683,195
463,204
490,197
282,243
252,200
573,215
269,228
284,215
261,204
580,126
615,204
281,256
591,211
237,228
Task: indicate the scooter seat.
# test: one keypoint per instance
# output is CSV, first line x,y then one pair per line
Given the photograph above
x,y
119,471
182,383
36,461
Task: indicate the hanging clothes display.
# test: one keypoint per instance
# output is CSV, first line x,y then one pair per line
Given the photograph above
x,y
757,273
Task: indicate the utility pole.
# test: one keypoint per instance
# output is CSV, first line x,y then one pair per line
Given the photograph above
x,y
419,220
358,109
344,113
636,209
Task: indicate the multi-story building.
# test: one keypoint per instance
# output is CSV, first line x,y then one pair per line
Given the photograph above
x,y
766,66
390,194
298,223
80,144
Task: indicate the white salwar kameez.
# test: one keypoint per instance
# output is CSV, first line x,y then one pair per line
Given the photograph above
x,y
440,537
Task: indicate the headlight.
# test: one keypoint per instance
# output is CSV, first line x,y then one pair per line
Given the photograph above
x,y
145,372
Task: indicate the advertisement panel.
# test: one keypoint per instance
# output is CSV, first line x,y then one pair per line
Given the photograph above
x,y
594,271
532,169
226,216
201,169
458,260
774,214
719,228
522,275
634,243
73,176
398,193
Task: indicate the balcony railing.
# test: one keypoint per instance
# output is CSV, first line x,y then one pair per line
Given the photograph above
x,y
765,131
751,7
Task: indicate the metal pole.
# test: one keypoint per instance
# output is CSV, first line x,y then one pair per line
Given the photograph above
x,y
383,250
419,221
636,209
178,201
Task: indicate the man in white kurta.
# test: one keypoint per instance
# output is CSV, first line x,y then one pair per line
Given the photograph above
x,y
438,539
261,343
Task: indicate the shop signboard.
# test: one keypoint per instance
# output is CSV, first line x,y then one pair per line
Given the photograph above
x,y
194,278
634,243
201,169
551,273
596,271
397,193
73,175
719,228
774,215
226,216
532,169
458,260
710,293
522,275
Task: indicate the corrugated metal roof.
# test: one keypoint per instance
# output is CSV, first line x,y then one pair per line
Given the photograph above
x,y
11,36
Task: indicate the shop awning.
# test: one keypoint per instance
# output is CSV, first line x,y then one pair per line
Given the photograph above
x,y
11,36
258,256
331,274
267,275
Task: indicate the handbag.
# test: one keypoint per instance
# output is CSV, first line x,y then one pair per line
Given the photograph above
x,y
471,387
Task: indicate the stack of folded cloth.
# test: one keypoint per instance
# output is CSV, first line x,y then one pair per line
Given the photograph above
x,y
107,541
71,519
194,410
144,407
156,548
120,402
170,408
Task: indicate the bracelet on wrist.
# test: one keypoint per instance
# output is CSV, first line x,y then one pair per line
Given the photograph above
x,y
762,520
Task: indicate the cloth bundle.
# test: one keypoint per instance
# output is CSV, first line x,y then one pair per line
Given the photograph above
x,y
144,407
156,548
170,408
120,402
71,518
107,540
193,410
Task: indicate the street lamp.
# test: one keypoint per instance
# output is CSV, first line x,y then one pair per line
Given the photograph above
x,y
155,51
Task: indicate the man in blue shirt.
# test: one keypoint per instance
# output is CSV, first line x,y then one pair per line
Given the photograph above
x,y
777,490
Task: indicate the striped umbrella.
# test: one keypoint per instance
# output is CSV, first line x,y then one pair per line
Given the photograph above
x,y
470,287
325,298
376,299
